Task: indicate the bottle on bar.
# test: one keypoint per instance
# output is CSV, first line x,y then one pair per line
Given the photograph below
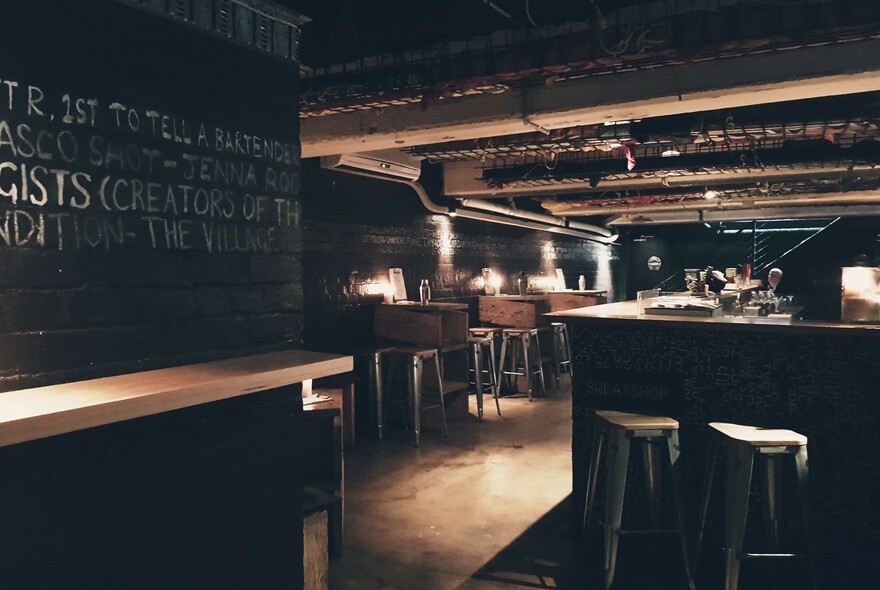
x,y
424,292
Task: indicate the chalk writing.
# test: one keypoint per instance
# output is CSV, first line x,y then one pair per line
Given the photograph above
x,y
81,172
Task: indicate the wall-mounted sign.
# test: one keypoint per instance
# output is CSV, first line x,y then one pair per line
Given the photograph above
x,y
654,263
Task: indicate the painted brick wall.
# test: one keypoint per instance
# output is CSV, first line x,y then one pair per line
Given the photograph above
x,y
355,229
128,277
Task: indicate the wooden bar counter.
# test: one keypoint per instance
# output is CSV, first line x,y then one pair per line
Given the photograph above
x,y
563,300
514,311
821,379
185,477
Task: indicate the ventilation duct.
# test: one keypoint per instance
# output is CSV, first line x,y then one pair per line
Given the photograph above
x,y
510,216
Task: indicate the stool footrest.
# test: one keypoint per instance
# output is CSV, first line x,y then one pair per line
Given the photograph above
x,y
774,555
649,531
601,522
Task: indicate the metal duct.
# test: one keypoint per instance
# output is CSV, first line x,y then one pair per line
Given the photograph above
x,y
506,216
539,217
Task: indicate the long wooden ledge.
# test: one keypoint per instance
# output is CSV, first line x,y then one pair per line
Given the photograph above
x,y
40,412
628,312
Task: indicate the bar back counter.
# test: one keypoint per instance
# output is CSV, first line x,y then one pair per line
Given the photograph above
x,y
186,477
819,378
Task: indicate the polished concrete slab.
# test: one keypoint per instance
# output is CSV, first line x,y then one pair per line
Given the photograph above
x,y
484,508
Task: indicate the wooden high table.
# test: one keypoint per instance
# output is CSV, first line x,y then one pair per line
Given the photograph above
x,y
436,325
527,311
188,476
514,311
821,379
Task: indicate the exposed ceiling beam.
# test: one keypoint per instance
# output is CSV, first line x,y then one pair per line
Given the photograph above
x,y
676,217
805,73
817,204
463,179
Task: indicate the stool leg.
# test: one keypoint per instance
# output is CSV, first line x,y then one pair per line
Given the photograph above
x,y
516,353
440,393
618,455
501,373
477,353
803,475
592,476
378,395
739,479
493,372
527,368
674,448
568,352
652,483
772,499
709,473
415,390
392,378
554,351
540,366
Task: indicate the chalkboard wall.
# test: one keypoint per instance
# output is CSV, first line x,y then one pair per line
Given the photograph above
x,y
149,175
149,216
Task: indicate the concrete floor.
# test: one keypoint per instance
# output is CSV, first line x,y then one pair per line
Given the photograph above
x,y
489,508
482,509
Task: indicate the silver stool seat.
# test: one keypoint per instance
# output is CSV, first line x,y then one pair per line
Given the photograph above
x,y
561,351
618,429
743,444
521,356
420,397
482,360
373,358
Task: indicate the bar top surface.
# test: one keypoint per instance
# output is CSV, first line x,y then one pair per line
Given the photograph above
x,y
430,306
534,297
40,412
628,311
578,292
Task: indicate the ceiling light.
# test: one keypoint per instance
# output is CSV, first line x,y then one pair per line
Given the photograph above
x,y
670,153
710,194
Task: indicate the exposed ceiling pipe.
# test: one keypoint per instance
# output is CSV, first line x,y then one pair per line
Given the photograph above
x,y
523,223
539,217
507,210
511,216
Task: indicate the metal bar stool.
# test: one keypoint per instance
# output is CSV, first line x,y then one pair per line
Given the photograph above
x,y
373,357
561,350
618,429
485,373
742,444
417,393
489,332
521,342
486,332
